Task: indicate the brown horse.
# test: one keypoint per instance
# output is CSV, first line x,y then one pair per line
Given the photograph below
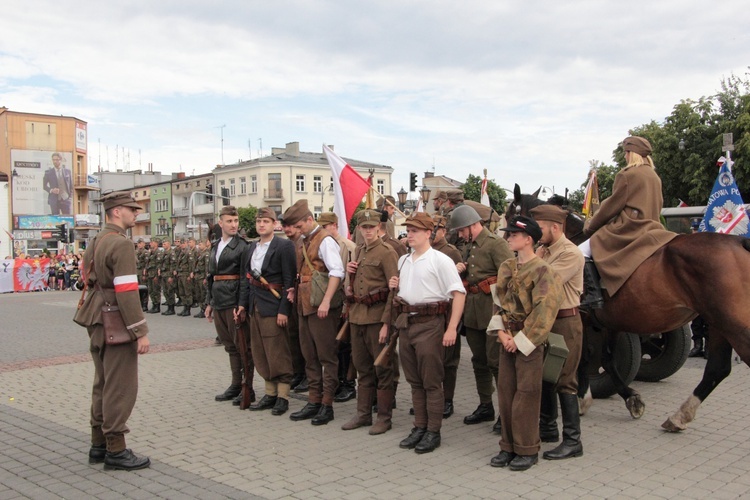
x,y
700,274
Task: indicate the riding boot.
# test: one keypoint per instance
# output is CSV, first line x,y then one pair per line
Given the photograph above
x,y
571,444
697,350
592,298
548,431
363,416
383,424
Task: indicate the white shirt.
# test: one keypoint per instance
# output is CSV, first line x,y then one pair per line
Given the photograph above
x,y
259,254
329,253
220,247
430,278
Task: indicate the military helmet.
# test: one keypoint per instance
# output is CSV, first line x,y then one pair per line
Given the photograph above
x,y
463,216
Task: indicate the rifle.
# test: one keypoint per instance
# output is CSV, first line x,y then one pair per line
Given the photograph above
x,y
256,275
345,332
385,355
247,391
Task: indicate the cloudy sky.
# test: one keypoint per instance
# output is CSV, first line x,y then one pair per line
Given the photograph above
x,y
529,90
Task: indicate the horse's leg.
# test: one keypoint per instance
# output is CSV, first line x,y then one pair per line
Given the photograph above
x,y
632,398
718,367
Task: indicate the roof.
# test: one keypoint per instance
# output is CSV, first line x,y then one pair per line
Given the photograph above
x,y
312,159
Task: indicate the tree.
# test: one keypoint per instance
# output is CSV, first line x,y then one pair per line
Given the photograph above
x,y
247,220
353,222
472,189
605,176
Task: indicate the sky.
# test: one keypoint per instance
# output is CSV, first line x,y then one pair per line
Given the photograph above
x,y
530,90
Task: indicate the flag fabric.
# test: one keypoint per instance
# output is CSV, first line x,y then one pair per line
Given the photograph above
x,y
591,196
725,212
485,199
682,204
420,206
370,202
348,189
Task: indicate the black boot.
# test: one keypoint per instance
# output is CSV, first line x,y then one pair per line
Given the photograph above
x,y
156,308
428,443
571,444
485,412
548,431
97,452
185,311
697,350
592,290
125,460
232,392
169,311
413,439
345,392
498,427
324,416
308,411
201,313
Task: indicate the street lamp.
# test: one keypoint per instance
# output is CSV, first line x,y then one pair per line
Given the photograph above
x,y
401,198
425,192
166,228
681,145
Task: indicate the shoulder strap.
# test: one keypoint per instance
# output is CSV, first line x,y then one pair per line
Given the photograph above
x,y
84,275
307,259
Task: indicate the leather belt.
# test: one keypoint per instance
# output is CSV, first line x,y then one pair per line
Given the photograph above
x,y
483,286
264,286
305,279
372,298
226,277
514,326
567,313
430,309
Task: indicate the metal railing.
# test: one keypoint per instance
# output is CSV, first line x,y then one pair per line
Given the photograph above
x,y
273,194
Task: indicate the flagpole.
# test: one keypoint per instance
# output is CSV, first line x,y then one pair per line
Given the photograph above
x,y
387,201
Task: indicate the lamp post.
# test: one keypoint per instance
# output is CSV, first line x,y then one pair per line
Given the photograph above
x,y
425,192
167,228
401,198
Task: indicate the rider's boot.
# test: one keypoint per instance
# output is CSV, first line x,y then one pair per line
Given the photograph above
x,y
592,291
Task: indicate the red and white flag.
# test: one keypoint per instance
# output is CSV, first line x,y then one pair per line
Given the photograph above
x,y
485,199
348,189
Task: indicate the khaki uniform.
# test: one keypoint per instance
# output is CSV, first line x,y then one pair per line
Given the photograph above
x,y
199,278
483,259
153,265
397,246
169,275
115,366
141,255
530,294
185,267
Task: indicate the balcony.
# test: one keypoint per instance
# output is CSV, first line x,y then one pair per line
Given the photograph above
x,y
273,195
143,217
203,209
181,212
82,182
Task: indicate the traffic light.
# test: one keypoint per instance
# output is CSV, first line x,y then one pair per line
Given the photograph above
x,y
412,181
62,233
225,196
210,188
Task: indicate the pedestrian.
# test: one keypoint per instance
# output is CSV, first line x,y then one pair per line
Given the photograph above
x,y
369,297
111,278
529,294
318,259
566,260
429,305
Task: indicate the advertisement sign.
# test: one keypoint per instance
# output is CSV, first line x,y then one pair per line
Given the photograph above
x,y
81,137
88,220
41,221
42,182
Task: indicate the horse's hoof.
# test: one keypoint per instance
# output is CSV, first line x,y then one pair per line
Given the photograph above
x,y
635,406
672,425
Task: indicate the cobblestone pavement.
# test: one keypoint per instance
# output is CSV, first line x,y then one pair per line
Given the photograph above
x,y
203,449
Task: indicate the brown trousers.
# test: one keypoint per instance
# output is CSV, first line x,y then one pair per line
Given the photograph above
x,y
317,338
571,329
484,359
519,395
270,348
225,329
421,348
115,382
451,360
292,330
365,350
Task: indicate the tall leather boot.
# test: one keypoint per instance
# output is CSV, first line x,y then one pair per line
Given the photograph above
x,y
363,416
383,423
571,444
169,311
592,296
548,431
697,350
185,311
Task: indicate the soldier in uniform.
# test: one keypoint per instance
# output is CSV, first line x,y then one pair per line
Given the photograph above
x,y
317,329
484,252
452,353
388,206
273,261
227,291
566,260
438,201
110,273
141,254
453,199
529,294
153,265
199,278
299,379
427,282
369,318
397,246
185,268
168,273
177,251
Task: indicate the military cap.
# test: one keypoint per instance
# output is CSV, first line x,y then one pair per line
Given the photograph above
x,y
551,213
266,213
119,199
440,221
523,224
296,213
420,220
228,210
140,240
441,195
156,240
381,202
455,196
368,217
637,145
328,218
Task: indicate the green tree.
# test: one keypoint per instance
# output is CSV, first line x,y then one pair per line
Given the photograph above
x,y
472,189
605,176
247,220
353,222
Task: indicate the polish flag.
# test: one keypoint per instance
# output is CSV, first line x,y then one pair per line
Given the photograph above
x,y
348,189
485,199
127,283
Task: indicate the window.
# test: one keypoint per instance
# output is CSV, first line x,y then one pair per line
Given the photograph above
x,y
317,184
300,183
144,192
161,206
176,187
381,186
330,186
222,182
163,190
316,212
198,183
274,187
155,191
243,185
253,184
231,187
276,208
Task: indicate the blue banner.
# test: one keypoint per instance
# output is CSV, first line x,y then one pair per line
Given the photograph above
x,y
725,212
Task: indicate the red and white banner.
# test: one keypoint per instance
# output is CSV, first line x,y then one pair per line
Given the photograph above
x,y
485,199
348,189
24,275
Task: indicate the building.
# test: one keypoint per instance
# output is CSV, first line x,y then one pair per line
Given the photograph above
x,y
45,160
288,175
437,183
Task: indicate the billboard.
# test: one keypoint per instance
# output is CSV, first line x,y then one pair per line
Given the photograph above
x,y
81,137
42,182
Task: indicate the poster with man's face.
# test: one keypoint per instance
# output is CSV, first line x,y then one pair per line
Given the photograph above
x,y
42,182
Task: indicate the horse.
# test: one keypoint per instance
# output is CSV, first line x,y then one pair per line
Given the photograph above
x,y
695,274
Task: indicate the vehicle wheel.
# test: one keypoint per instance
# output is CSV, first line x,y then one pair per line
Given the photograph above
x,y
627,360
664,353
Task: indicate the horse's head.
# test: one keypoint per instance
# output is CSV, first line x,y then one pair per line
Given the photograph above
x,y
523,203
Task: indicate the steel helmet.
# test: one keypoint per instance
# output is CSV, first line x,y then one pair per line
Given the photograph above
x,y
463,216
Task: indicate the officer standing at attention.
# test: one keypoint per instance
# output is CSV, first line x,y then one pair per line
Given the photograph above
x,y
199,277
426,322
185,268
168,273
566,260
110,273
153,265
529,294
483,252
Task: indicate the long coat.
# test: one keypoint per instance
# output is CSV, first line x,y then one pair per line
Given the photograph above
x,y
626,230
